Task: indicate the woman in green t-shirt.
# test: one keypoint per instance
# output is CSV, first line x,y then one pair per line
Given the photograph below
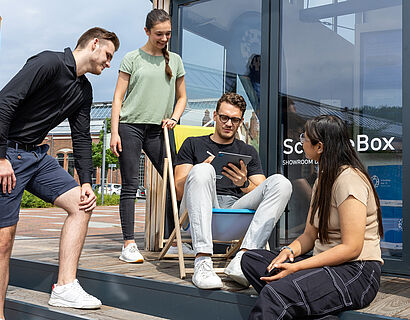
x,y
152,79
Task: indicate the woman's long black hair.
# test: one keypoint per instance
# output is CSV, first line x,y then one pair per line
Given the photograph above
x,y
337,152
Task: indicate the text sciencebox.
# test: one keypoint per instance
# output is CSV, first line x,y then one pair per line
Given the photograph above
x,y
388,183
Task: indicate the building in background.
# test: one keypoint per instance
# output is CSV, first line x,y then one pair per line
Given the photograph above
x,y
59,140
293,60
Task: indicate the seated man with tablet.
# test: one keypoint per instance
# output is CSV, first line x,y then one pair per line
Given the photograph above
x,y
241,186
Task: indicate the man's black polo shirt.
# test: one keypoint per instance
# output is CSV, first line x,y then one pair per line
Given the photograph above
x,y
41,95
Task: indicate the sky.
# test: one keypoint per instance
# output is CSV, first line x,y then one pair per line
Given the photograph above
x,y
29,27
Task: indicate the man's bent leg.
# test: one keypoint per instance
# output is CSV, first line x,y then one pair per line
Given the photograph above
x,y
7,235
199,198
68,291
72,235
24,166
269,200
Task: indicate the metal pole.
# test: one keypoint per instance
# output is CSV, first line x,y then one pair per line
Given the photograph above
x,y
52,145
103,164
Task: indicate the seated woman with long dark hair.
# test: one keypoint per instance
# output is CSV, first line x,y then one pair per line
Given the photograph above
x,y
343,227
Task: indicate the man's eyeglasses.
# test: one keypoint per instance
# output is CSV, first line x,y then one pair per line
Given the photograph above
x,y
302,137
225,118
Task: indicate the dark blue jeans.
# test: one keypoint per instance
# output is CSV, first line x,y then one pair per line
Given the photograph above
x,y
311,293
134,138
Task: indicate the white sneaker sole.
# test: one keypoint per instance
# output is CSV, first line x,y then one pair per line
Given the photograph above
x,y
130,261
63,303
208,287
238,279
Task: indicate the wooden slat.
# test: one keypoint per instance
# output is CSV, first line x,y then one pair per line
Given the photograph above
x,y
148,211
174,205
162,213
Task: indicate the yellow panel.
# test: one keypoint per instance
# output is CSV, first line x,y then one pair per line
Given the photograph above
x,y
182,132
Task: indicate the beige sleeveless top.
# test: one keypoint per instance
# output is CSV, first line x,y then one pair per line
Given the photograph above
x,y
351,182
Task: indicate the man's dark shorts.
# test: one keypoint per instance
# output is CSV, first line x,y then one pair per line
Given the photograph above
x,y
39,174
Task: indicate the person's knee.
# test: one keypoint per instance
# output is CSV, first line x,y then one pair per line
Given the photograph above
x,y
251,259
246,263
129,188
5,247
279,183
201,173
70,201
246,260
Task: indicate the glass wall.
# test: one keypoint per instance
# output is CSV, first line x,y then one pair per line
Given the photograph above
x,y
60,159
70,164
344,58
220,44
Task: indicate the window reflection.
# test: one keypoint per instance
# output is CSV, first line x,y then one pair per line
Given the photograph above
x,y
60,159
344,58
221,50
70,164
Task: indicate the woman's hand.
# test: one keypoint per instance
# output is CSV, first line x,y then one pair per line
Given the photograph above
x,y
280,262
284,255
169,123
115,144
285,270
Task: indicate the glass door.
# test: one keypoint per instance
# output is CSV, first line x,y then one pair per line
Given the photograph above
x,y
344,58
220,45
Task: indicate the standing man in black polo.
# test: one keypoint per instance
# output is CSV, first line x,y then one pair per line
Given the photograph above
x,y
50,88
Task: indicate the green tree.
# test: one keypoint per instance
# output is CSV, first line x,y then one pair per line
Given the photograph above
x,y
98,150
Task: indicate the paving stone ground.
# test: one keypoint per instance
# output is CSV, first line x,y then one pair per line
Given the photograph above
x,y
47,222
38,235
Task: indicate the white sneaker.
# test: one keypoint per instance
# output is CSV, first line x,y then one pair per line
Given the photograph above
x,y
186,249
131,254
204,275
234,270
72,295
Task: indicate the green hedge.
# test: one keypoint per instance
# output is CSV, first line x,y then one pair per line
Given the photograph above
x,y
113,200
29,200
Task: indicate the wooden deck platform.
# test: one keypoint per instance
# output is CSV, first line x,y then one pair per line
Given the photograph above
x,y
101,253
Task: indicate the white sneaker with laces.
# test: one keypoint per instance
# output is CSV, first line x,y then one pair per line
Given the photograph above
x,y
234,270
186,249
204,275
72,295
131,254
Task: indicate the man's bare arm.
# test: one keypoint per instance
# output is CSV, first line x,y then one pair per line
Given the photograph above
x,y
181,172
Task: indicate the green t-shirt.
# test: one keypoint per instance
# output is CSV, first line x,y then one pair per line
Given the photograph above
x,y
150,95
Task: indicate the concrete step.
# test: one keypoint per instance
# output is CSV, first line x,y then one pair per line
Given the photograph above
x,y
18,297
136,297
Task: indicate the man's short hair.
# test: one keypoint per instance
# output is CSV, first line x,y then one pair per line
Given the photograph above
x,y
100,34
234,99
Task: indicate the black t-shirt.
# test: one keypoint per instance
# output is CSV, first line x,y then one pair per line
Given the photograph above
x,y
194,151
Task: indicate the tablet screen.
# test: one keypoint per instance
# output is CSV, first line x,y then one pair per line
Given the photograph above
x,y
223,158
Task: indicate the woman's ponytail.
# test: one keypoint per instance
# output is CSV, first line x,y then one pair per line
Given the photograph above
x,y
168,70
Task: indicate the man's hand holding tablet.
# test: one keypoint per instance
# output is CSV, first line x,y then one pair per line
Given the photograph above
x,y
232,166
